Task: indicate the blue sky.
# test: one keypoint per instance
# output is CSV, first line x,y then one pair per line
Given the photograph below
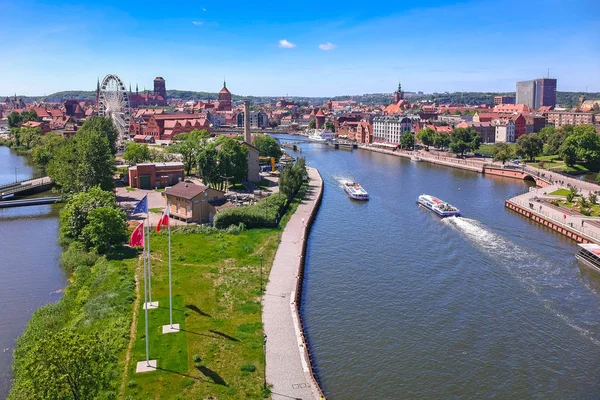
x,y
273,48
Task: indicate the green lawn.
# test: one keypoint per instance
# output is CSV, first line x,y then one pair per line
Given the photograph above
x,y
130,189
555,163
156,210
560,192
216,283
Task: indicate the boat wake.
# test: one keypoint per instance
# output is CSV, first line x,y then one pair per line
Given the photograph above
x,y
555,285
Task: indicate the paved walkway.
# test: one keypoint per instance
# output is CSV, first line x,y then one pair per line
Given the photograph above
x,y
537,200
287,368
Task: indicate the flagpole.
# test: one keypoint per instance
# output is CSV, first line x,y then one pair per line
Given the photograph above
x,y
146,307
149,268
170,279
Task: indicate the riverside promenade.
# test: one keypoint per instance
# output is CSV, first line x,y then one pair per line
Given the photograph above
x,y
288,369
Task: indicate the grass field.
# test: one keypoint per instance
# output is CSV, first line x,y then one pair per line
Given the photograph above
x,y
216,283
560,192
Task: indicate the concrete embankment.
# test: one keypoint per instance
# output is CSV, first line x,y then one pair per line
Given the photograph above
x,y
288,366
433,159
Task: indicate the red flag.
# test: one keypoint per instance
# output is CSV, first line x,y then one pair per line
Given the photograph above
x,y
164,220
137,236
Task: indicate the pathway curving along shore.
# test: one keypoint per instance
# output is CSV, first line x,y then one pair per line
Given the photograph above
x,y
288,369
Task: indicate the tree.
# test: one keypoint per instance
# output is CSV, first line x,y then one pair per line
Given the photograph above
x,y
208,166
556,137
267,146
503,152
407,140
426,136
65,365
441,140
74,215
530,145
545,133
233,160
312,124
291,178
188,145
330,126
568,153
27,116
29,136
136,153
49,145
106,127
106,226
14,120
464,139
586,142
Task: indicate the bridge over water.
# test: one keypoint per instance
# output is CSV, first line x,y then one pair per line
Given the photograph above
x,y
25,187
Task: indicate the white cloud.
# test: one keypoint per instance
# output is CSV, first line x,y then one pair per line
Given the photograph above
x,y
197,22
203,9
327,46
284,44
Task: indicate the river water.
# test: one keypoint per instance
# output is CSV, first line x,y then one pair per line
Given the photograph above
x,y
30,275
399,304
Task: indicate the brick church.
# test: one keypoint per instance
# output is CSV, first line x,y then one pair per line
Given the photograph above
x,y
147,98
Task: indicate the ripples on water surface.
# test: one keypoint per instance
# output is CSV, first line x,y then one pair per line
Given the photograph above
x,y
30,275
400,304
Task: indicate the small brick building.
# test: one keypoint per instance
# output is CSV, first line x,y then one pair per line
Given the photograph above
x,y
155,175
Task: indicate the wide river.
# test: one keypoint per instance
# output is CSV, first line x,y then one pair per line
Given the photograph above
x,y
30,275
400,304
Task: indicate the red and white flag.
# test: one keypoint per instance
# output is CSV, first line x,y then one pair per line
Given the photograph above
x,y
137,236
164,219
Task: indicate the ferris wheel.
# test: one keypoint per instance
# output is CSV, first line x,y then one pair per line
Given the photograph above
x,y
113,102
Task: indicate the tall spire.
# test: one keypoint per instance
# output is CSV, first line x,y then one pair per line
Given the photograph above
x,y
224,83
129,87
136,89
399,86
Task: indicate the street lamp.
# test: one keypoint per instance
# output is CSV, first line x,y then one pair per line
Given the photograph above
x,y
16,169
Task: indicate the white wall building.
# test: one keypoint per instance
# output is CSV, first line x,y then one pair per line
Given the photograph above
x,y
389,129
505,130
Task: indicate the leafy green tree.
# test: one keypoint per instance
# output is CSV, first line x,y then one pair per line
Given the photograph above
x,y
330,126
312,124
233,160
14,120
74,215
568,152
441,140
545,133
49,145
30,136
65,365
556,138
530,145
189,145
291,178
208,166
426,136
587,142
106,127
407,140
503,152
464,139
27,116
136,153
267,146
106,227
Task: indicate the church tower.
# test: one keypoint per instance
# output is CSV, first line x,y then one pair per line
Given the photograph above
x,y
224,98
399,94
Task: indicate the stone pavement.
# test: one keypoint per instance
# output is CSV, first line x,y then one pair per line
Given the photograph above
x,y
287,368
128,199
537,201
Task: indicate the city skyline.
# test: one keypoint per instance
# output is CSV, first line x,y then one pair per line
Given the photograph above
x,y
333,49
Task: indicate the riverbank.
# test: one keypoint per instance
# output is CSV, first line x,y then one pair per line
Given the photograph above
x,y
288,365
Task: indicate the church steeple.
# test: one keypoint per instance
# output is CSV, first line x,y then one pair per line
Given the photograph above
x,y
224,83
399,94
136,89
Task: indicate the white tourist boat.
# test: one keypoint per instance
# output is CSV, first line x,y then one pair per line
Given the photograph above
x,y
438,206
415,159
355,191
320,135
589,255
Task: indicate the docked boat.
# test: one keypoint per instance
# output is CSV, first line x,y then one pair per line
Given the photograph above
x,y
438,206
321,136
589,255
415,159
355,191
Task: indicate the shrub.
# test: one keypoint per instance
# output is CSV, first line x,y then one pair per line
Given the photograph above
x,y
593,197
196,358
570,196
75,256
131,384
263,214
248,368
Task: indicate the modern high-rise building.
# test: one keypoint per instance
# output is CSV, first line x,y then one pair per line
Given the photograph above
x,y
537,93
